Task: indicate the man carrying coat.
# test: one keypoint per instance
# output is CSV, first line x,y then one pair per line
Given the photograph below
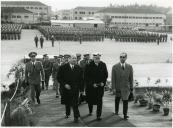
x,y
70,78
34,74
95,77
122,83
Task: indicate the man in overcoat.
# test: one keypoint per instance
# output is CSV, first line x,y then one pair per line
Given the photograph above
x,y
34,74
95,77
70,78
122,83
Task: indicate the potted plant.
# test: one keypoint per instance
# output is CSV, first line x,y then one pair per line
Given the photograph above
x,y
141,99
149,95
157,101
166,101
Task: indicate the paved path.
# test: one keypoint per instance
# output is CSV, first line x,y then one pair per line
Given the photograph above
x,y
51,113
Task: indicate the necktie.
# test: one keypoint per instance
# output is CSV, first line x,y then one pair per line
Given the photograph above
x,y
72,67
123,67
33,65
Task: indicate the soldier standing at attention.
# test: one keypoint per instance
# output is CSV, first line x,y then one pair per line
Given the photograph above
x,y
41,41
36,41
52,39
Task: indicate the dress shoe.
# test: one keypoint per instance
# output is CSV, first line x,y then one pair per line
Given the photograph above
x,y
90,114
67,116
126,117
99,118
76,120
116,113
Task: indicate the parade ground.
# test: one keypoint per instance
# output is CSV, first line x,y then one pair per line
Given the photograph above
x,y
148,60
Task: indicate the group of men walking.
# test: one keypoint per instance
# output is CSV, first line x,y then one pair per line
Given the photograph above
x,y
36,40
11,31
73,77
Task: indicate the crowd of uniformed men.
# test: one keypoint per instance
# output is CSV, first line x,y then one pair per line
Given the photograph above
x,y
98,34
11,31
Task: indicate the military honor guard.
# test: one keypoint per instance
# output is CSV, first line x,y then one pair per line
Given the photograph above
x,y
122,83
34,74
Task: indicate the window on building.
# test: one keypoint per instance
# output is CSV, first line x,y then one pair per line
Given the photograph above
x,y
18,16
119,16
40,8
13,16
75,12
157,24
95,25
26,16
112,16
92,12
31,7
27,7
134,17
153,17
80,18
45,8
89,12
146,24
36,7
75,18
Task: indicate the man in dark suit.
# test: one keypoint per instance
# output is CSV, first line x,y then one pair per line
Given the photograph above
x,y
95,76
34,74
70,78
47,65
122,83
36,41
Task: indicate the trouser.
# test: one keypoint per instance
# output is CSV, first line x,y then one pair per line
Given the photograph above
x,y
36,44
35,92
56,84
75,110
125,105
52,43
47,76
41,44
99,107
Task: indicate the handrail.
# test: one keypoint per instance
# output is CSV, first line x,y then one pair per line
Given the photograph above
x,y
10,100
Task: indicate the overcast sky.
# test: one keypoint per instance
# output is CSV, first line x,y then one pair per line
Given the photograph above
x,y
69,4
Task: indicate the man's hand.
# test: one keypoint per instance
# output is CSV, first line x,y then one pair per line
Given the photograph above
x,y
131,89
95,86
67,87
102,84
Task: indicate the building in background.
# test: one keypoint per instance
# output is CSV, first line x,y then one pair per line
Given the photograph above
x,y
41,12
16,15
78,23
132,17
64,14
79,12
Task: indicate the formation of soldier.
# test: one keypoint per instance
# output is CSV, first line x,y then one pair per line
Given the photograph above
x,y
72,34
95,34
134,36
11,31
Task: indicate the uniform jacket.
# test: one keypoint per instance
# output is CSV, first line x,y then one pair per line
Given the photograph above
x,y
34,74
122,80
47,65
55,69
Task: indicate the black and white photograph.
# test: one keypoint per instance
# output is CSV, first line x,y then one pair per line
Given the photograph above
x,y
86,63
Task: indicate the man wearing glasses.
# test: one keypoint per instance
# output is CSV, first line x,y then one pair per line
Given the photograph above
x,y
122,83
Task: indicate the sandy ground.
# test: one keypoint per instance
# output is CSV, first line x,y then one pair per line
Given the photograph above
x,y
148,60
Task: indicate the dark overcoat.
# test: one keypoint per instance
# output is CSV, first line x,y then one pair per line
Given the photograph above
x,y
95,74
73,78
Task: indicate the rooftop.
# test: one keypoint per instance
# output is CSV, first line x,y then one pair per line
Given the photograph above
x,y
14,10
128,10
89,8
33,3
